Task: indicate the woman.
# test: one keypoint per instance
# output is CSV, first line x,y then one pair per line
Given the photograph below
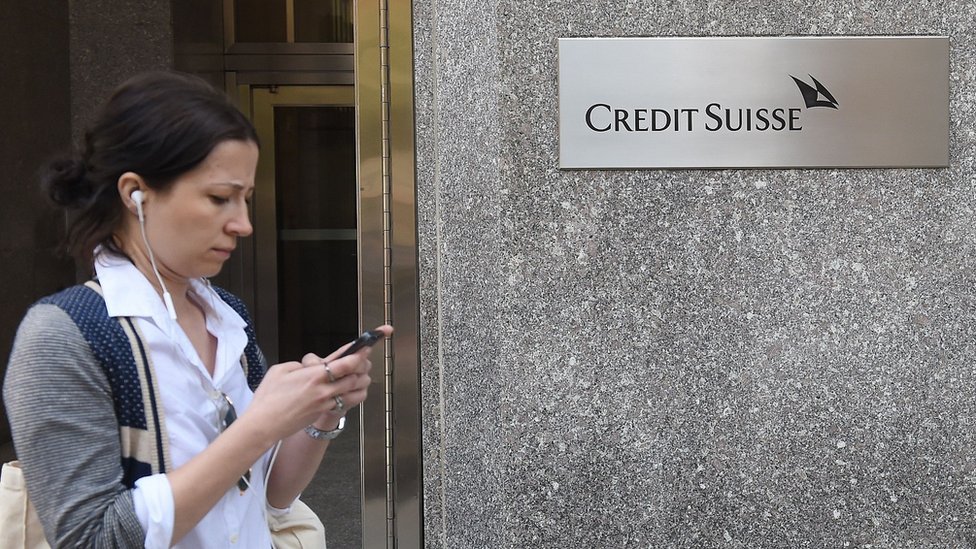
x,y
131,406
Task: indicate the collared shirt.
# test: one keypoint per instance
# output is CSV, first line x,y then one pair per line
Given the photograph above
x,y
191,405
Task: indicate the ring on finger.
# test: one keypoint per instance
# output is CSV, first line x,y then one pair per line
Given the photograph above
x,y
328,372
339,404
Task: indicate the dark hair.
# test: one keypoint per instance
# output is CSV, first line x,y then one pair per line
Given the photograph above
x,y
159,125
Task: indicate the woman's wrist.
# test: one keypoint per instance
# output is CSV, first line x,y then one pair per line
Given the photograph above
x,y
327,433
254,429
327,422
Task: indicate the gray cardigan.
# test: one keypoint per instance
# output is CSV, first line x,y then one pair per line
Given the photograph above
x,y
60,407
68,393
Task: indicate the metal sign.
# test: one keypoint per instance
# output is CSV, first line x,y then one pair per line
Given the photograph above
x,y
794,102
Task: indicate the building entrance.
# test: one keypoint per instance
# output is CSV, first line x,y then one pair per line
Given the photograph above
x,y
334,211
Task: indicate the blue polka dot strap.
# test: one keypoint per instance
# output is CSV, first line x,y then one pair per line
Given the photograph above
x,y
118,348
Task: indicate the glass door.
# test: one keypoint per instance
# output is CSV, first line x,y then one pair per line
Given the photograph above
x,y
306,261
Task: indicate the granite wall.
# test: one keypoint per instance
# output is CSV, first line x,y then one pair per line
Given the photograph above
x,y
34,122
59,62
730,358
112,40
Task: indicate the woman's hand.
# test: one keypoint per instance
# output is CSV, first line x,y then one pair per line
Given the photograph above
x,y
358,367
296,394
332,380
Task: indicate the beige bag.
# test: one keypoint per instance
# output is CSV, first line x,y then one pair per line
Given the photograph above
x,y
19,525
300,527
20,528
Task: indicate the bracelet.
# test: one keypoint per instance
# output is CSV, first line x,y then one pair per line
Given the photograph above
x,y
319,434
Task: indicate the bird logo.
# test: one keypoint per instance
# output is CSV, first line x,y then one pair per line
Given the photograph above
x,y
816,95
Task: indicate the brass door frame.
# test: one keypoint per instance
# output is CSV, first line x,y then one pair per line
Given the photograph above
x,y
384,79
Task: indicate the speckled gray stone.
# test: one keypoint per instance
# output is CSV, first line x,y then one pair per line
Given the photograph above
x,y
34,117
111,40
740,358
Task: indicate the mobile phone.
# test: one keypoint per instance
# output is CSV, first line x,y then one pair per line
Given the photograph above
x,y
367,339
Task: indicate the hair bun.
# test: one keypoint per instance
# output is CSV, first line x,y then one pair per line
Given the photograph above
x,y
65,182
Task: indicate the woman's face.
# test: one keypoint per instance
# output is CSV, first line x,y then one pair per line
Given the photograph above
x,y
193,225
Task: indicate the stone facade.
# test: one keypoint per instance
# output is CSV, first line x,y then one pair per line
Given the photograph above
x,y
681,358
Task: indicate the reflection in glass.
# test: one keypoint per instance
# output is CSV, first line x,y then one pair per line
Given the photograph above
x,y
316,158
318,296
260,21
323,21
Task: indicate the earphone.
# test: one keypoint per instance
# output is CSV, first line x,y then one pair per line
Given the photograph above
x,y
137,196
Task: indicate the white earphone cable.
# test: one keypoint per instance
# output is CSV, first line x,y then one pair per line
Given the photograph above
x,y
167,299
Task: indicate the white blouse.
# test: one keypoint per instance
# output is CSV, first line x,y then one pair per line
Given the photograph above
x,y
191,403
